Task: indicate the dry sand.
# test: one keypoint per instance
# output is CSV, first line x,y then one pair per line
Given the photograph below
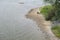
x,y
45,26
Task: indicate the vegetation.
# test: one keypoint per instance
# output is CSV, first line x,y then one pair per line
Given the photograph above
x,y
56,30
45,10
52,13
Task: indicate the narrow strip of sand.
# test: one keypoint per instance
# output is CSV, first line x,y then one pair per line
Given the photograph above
x,y
45,26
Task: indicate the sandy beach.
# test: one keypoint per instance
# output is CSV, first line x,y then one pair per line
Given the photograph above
x,y
45,26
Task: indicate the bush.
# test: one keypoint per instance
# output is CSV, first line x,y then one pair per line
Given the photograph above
x,y
56,30
45,10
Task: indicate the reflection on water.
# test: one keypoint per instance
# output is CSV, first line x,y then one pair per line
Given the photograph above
x,y
14,25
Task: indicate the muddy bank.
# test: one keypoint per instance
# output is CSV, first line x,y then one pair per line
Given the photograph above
x,y
45,26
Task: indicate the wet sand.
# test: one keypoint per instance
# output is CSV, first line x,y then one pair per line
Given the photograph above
x,y
45,26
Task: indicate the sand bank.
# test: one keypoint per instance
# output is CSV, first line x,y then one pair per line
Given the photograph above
x,y
45,26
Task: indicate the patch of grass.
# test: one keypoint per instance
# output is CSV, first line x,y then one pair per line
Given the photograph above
x,y
45,10
56,30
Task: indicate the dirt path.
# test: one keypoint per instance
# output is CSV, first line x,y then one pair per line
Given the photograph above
x,y
45,26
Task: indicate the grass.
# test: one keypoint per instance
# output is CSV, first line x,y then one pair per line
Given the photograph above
x,y
56,30
45,9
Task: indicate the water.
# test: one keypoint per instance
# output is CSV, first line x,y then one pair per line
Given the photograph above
x,y
13,23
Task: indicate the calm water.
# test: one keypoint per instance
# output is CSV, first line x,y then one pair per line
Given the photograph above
x,y
14,25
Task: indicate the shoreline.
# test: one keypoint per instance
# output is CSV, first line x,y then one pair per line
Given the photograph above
x,y
45,26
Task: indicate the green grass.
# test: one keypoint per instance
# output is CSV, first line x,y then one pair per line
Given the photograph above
x,y
45,9
56,30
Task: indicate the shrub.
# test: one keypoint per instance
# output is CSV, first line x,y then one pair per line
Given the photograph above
x,y
56,30
45,10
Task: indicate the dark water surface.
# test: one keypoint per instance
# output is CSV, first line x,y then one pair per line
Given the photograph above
x,y
14,25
